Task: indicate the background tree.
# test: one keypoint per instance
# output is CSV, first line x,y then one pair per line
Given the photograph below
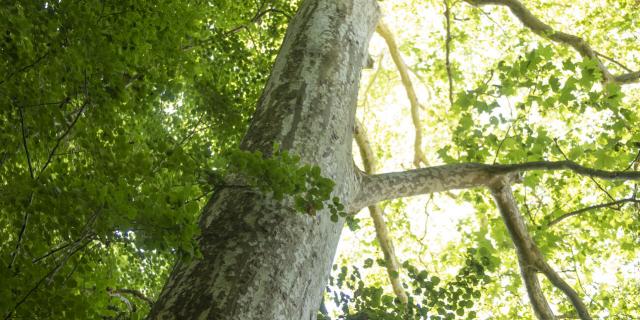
x,y
111,114
115,117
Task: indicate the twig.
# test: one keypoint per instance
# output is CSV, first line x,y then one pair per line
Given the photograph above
x,y
506,136
589,208
255,19
85,234
634,161
592,179
614,61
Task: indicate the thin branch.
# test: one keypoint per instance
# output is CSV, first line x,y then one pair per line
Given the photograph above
x,y
23,228
60,103
384,31
45,277
544,30
447,47
53,251
613,61
387,186
564,155
506,136
634,161
377,215
61,137
24,142
590,208
255,19
27,67
88,236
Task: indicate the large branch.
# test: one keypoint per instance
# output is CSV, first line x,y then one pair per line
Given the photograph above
x,y
544,30
526,249
387,35
377,215
388,186
530,257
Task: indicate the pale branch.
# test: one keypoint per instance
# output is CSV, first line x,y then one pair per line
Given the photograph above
x,y
384,31
132,307
136,293
542,29
529,256
387,186
531,282
589,208
377,215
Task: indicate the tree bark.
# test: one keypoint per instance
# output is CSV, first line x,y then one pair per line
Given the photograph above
x,y
261,259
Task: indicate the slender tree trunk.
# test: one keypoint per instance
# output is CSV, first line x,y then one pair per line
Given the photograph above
x,y
262,260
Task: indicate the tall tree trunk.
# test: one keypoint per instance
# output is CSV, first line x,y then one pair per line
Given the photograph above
x,y
262,260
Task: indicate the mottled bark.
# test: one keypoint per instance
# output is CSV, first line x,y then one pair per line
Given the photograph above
x,y
530,258
526,250
387,186
262,260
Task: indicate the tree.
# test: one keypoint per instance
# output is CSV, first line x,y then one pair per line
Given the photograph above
x,y
100,177
258,256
